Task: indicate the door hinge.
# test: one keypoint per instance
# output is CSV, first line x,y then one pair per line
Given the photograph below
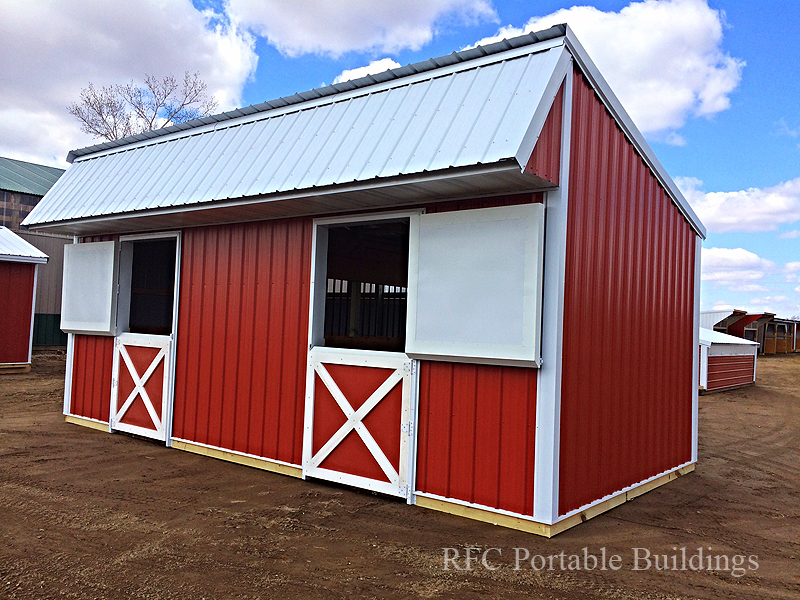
x,y
403,490
407,427
410,367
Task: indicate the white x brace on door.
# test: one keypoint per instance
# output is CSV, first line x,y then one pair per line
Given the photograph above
x,y
140,385
359,419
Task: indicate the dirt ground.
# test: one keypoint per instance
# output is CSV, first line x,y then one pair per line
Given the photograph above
x,y
85,514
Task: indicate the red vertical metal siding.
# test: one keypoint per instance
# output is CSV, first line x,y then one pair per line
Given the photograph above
x,y
243,337
16,310
92,359
545,161
730,371
626,405
476,434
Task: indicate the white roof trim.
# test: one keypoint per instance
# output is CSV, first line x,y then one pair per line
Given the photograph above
x,y
14,249
709,336
634,135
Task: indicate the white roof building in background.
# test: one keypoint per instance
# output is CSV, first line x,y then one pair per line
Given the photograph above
x,y
14,249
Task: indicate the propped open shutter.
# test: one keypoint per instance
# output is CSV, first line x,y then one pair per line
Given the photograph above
x,y
88,296
475,285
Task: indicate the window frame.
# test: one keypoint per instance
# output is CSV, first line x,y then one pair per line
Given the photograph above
x,y
125,274
319,265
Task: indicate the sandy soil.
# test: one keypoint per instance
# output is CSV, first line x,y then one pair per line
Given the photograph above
x,y
85,514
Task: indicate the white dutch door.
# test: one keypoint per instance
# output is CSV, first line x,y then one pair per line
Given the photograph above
x,y
358,419
141,388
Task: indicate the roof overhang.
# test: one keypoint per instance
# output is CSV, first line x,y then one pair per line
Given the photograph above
x,y
406,190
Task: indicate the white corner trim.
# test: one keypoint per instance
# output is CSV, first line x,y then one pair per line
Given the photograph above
x,y
696,348
548,388
33,310
68,374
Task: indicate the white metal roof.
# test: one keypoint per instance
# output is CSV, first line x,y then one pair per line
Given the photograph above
x,y
475,114
709,318
456,126
709,336
14,249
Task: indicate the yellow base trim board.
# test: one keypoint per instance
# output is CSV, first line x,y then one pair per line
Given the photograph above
x,y
87,423
15,368
248,461
488,516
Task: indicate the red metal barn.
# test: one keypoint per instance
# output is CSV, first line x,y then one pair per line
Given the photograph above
x,y
19,262
354,284
726,361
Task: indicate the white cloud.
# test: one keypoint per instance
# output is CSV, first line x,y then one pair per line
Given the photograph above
x,y
782,306
748,287
53,49
376,66
662,58
732,272
753,209
722,306
790,235
734,268
675,139
784,129
333,28
792,271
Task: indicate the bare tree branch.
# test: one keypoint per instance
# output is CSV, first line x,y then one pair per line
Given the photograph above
x,y
117,111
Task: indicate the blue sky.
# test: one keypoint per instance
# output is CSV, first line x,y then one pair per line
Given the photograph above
x,y
713,84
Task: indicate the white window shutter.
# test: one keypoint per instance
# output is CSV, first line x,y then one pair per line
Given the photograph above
x,y
475,285
88,295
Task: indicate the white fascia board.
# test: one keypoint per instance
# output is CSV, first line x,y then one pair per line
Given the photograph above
x,y
631,131
23,259
545,104
340,97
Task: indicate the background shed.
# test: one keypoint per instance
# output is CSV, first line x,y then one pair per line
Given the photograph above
x,y
22,186
726,361
19,261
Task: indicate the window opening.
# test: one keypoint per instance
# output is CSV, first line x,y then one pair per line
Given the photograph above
x,y
152,286
367,281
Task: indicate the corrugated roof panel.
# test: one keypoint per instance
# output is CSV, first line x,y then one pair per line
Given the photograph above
x,y
14,248
367,160
27,178
529,83
449,114
462,117
326,166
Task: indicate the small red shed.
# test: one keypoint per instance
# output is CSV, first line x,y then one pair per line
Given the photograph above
x,y
354,284
19,262
726,361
